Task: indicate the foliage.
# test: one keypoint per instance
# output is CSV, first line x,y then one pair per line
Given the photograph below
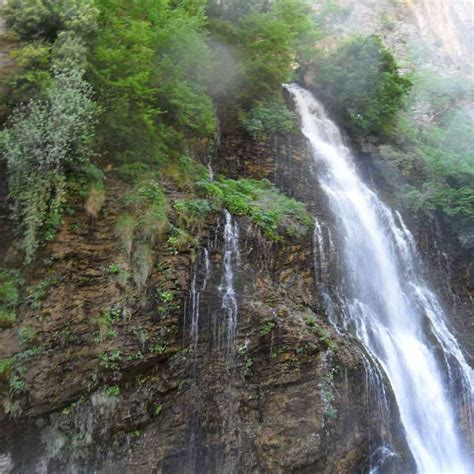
x,y
32,73
112,391
27,335
362,84
191,213
273,212
47,138
438,150
9,294
263,44
6,367
148,205
149,67
267,327
269,117
7,318
9,297
44,19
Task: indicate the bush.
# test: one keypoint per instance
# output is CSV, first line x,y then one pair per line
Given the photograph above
x,y
273,212
44,19
362,84
268,118
191,213
47,138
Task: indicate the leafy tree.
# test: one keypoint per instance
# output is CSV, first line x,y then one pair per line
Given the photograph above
x,y
362,84
47,138
270,117
264,45
148,64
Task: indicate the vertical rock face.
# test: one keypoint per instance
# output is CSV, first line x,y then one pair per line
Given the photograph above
x,y
448,22
129,379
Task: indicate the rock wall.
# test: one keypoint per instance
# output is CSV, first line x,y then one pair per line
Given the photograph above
x,y
114,381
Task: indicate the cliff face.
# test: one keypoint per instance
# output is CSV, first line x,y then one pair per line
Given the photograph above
x,y
114,378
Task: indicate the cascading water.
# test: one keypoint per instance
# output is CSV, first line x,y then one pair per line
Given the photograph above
x,y
385,301
196,296
231,258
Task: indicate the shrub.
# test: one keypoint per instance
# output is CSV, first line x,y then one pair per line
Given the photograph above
x,y
268,118
32,73
273,212
191,213
9,294
46,139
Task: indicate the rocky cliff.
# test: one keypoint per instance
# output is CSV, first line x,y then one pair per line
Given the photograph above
x,y
111,377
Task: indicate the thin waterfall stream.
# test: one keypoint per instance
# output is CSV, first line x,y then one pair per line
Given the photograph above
x,y
387,304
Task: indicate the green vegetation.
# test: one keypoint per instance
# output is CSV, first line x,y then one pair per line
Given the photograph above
x,y
361,83
257,45
27,335
46,138
191,213
328,395
151,103
267,327
6,367
137,84
274,213
9,297
268,118
446,145
106,322
112,391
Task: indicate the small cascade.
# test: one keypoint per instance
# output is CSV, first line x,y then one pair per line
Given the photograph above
x,y
226,288
385,302
199,282
324,252
196,291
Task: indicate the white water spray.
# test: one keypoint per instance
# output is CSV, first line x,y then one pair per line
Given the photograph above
x,y
393,313
231,258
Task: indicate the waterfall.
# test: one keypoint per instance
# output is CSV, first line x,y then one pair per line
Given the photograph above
x,y
387,304
196,295
231,258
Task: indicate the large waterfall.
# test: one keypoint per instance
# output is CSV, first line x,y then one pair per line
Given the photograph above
x,y
388,306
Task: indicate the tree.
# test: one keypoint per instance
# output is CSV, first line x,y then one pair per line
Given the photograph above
x,y
46,139
362,84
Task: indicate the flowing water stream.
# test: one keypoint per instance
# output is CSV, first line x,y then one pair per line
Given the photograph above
x,y
387,304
